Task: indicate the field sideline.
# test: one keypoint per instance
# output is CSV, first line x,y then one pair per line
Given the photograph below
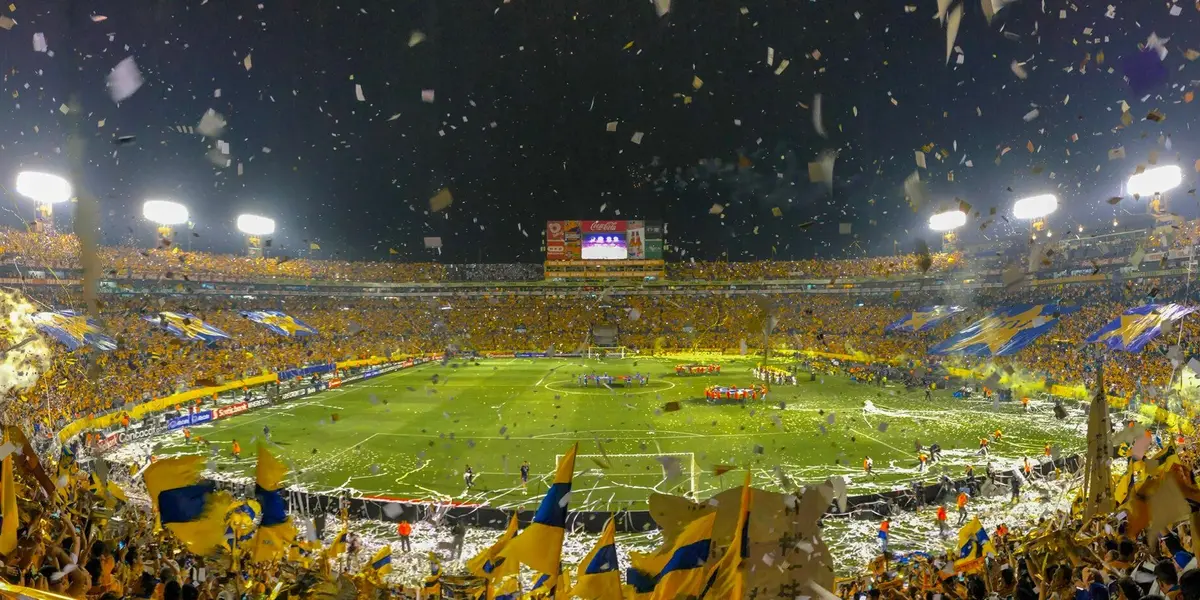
x,y
410,434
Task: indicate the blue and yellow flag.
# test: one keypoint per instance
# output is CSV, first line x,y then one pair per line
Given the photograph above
x,y
488,562
540,545
509,589
1137,326
1007,330
381,562
73,330
189,507
108,490
276,531
598,576
924,318
285,325
187,327
679,571
432,585
338,545
973,546
546,587
727,578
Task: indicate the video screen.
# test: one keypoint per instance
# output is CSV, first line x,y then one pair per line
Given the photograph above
x,y
605,246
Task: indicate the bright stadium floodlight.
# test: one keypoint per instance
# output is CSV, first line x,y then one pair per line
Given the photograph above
x,y
1155,181
255,225
43,188
165,212
1035,207
948,221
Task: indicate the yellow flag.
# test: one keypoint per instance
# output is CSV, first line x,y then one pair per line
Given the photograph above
x,y
8,504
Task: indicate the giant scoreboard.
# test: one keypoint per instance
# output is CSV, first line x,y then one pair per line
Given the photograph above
x,y
604,249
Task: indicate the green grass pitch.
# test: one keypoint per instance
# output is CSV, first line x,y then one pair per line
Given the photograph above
x,y
411,433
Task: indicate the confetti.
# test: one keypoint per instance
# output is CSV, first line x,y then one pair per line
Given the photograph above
x,y
39,42
6,23
611,126
124,80
414,38
637,137
716,209
1018,69
783,65
440,201
697,83
427,96
358,93
248,62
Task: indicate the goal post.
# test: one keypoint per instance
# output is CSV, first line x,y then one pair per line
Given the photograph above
x,y
605,352
662,472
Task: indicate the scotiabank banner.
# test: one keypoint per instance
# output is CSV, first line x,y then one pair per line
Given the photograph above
x,y
603,226
229,411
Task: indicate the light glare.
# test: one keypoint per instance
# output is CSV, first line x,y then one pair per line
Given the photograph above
x,y
43,188
255,225
1155,181
948,221
1035,207
165,212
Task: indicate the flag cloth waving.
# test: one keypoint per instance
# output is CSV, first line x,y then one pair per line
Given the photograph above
x,y
1007,330
8,508
973,546
924,318
598,577
275,532
73,330
487,563
1137,326
727,580
679,571
540,545
278,322
190,508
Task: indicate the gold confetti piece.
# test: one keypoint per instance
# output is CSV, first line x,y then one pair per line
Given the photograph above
x,y
247,62
1126,119
6,23
63,109
1188,97
442,200
101,123
12,8
776,212
894,102
783,65
628,46
414,38
921,159
1029,146
697,83
1191,54
1155,116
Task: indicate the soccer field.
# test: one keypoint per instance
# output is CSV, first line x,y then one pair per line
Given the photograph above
x,y
410,434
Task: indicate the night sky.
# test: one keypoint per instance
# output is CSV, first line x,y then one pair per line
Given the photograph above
x,y
523,91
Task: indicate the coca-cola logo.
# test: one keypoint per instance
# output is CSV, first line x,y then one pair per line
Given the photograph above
x,y
603,226
554,227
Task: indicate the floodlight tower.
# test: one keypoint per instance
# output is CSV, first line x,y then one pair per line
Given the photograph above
x,y
255,227
165,214
1036,210
1155,183
947,223
46,190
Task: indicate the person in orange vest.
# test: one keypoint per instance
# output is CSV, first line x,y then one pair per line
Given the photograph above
x,y
868,467
997,434
922,459
1002,532
883,535
943,528
125,420
962,508
404,530
1046,450
983,447
237,450
1028,469
187,435
1025,403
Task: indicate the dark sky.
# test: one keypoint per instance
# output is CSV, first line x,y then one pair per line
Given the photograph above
x,y
524,90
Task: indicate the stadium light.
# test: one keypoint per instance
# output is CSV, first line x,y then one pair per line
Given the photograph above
x,y
43,188
1035,207
948,221
1155,181
255,225
165,212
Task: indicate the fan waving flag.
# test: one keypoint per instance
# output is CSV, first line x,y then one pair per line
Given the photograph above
x,y
679,571
191,508
186,326
8,508
487,563
1137,326
277,322
73,330
540,544
924,318
598,577
1006,331
275,532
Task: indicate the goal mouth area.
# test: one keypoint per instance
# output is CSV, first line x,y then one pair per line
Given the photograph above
x,y
606,352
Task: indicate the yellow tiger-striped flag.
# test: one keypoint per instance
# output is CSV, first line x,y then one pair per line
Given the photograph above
x,y
539,546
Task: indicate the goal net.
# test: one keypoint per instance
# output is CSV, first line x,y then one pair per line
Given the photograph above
x,y
605,352
600,478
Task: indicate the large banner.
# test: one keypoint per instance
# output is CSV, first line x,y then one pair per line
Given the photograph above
x,y
604,240
1137,326
924,318
1007,330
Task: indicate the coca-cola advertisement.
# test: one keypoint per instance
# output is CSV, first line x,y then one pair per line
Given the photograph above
x,y
609,227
